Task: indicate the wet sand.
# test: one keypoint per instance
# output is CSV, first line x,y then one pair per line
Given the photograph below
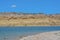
x,y
54,35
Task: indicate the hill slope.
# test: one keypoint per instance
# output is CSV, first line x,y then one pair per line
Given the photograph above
x,y
13,19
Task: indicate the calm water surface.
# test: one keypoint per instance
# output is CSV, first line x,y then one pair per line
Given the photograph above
x,y
14,33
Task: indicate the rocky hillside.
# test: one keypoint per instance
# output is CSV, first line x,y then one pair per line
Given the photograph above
x,y
20,19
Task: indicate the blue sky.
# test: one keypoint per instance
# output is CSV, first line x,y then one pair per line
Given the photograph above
x,y
30,6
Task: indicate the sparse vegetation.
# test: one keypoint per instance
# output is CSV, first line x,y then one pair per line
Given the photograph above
x,y
17,19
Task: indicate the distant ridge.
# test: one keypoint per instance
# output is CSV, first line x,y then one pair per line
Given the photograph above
x,y
22,19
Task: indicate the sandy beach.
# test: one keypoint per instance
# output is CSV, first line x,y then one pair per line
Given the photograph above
x,y
13,19
54,35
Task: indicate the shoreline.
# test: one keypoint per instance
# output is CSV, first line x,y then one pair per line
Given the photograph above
x,y
52,35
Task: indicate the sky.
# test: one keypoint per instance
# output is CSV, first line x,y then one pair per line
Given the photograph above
x,y
30,6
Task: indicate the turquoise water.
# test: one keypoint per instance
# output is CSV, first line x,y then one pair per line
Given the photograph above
x,y
14,33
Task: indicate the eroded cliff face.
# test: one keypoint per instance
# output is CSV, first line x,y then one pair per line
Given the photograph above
x,y
44,36
13,19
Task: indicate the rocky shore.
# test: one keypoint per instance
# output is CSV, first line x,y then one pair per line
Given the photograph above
x,y
54,35
15,19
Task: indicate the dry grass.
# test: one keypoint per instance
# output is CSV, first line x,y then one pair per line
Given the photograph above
x,y
30,20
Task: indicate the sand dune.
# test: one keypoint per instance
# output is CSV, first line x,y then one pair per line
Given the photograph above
x,y
55,35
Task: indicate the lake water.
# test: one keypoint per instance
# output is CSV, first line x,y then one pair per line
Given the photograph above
x,y
15,33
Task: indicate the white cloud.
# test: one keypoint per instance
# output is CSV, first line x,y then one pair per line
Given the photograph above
x,y
13,5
